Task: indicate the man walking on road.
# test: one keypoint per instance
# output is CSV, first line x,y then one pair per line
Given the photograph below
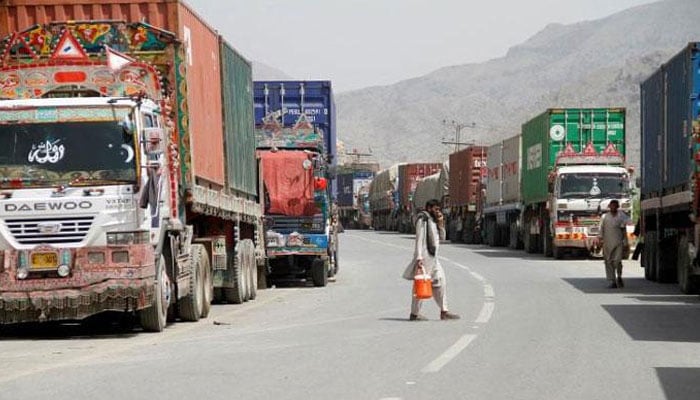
x,y
613,235
430,229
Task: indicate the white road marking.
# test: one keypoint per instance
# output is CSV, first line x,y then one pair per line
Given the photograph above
x,y
449,354
488,291
486,313
484,316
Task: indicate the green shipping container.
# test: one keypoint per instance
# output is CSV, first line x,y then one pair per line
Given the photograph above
x,y
239,130
548,134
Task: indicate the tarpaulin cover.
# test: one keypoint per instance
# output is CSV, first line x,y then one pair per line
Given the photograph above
x,y
290,187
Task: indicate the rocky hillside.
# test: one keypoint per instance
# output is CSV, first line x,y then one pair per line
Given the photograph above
x,y
589,64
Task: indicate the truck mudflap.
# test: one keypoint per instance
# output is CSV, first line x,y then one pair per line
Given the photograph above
x,y
76,304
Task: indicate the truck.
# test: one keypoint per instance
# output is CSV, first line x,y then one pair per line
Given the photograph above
x,y
383,198
467,172
502,204
352,202
435,186
670,171
296,144
572,167
124,185
409,174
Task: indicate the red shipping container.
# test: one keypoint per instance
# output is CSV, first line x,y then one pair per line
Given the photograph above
x,y
408,178
467,168
201,46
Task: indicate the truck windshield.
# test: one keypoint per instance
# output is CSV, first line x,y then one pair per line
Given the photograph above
x,y
593,185
47,154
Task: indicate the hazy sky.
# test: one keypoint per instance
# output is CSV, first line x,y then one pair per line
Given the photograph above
x,y
361,43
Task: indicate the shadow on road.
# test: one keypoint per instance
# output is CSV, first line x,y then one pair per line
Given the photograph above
x,y
636,285
680,383
666,323
395,319
104,326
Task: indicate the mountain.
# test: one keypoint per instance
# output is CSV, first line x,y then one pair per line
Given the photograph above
x,y
264,72
596,63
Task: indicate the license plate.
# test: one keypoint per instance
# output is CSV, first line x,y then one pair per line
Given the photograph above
x,y
44,260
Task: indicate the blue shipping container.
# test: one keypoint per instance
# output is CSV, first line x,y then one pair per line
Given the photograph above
x,y
345,191
315,98
670,109
652,127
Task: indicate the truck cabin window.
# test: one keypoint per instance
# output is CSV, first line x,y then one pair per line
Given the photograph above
x,y
53,153
593,185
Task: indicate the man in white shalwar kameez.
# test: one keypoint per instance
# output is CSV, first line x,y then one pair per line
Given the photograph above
x,y
430,229
613,235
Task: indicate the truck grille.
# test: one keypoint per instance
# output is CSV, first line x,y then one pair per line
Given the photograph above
x,y
49,230
284,224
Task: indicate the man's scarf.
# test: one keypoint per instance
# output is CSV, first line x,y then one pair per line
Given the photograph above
x,y
430,237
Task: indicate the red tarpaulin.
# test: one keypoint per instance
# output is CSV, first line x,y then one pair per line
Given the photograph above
x,y
290,187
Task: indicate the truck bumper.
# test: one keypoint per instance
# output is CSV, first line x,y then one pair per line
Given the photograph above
x,y
76,304
91,288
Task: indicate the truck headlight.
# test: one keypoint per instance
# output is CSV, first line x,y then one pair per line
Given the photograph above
x,y
127,238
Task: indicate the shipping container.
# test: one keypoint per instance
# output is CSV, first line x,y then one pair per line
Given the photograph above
x,y
503,182
550,133
681,89
239,131
314,98
652,127
349,185
467,169
203,157
408,179
16,15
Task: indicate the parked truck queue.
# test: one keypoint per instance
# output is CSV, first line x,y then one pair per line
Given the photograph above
x,y
140,168
545,189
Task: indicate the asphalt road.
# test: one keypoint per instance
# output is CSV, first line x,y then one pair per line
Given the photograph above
x,y
531,328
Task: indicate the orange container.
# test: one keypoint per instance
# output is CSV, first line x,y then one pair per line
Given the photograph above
x,y
422,285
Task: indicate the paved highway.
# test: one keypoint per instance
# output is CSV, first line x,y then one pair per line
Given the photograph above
x,y
531,328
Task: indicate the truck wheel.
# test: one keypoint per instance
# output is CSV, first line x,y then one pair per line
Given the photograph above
x,y
530,245
154,318
235,294
557,252
685,277
667,265
319,272
192,305
252,273
208,279
650,248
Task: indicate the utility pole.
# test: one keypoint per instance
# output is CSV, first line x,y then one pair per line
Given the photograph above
x,y
458,126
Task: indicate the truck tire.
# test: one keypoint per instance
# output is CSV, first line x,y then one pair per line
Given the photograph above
x,y
513,236
319,272
557,252
667,265
685,266
236,294
191,306
154,318
649,256
207,281
529,242
253,273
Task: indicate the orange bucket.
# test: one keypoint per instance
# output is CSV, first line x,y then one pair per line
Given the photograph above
x,y
422,285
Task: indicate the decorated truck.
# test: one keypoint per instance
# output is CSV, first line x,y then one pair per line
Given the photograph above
x,y
572,167
383,198
670,190
295,134
117,192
